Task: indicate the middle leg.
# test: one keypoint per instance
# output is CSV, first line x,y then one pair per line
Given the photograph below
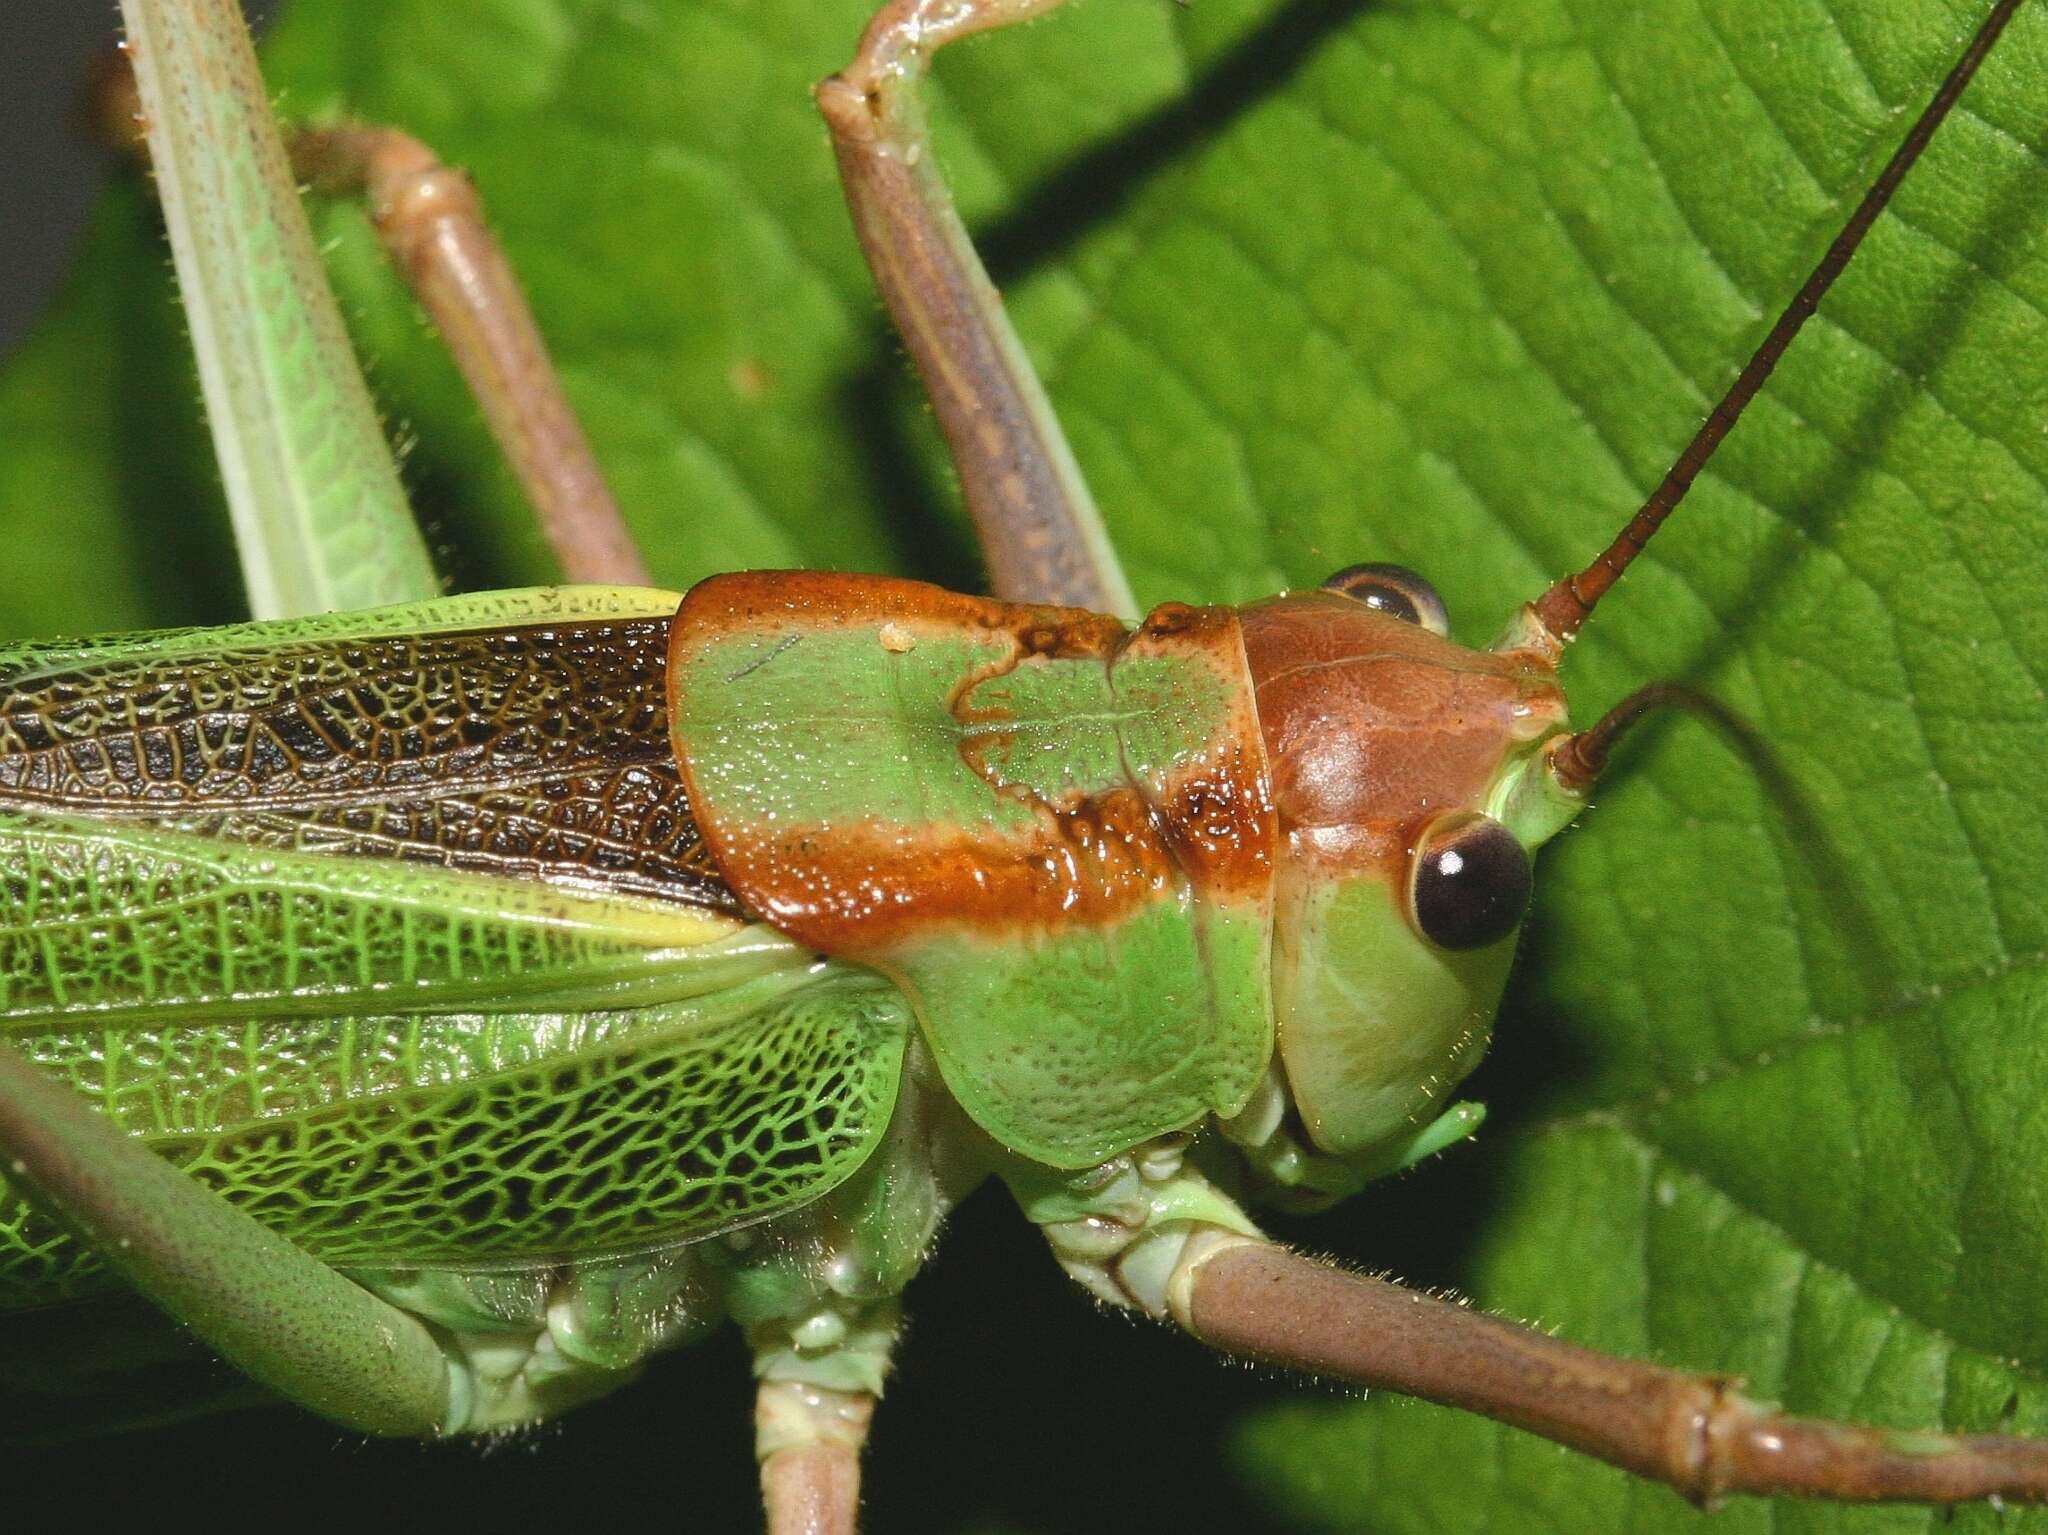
x,y
820,1357
431,223
808,1439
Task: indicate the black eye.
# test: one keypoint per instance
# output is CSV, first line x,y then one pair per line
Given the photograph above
x,y
1472,882
1395,591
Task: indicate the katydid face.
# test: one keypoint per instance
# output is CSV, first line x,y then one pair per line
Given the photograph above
x,y
1412,789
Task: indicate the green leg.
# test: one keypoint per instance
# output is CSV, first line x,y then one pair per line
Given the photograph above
x,y
319,516
281,1317
1039,530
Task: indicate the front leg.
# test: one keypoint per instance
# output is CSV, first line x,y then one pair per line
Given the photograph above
x,y
1039,530
1124,1229
1697,1433
808,1440
1148,1233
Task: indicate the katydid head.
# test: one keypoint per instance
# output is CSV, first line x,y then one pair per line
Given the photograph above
x,y
1412,783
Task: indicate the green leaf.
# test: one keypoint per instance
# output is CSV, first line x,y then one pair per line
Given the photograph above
x,y
1311,283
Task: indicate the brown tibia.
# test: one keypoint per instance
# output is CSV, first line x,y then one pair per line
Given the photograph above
x,y
1038,527
808,1439
432,225
1697,1433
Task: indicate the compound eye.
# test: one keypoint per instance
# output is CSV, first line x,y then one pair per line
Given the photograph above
x,y
1471,882
1396,591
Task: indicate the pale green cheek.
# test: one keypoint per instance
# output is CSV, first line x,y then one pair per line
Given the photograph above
x,y
1376,1025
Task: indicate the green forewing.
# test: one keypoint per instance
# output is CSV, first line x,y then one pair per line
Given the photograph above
x,y
137,924
473,1140
574,1075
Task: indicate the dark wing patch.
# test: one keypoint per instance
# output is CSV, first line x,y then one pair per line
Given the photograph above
x,y
534,750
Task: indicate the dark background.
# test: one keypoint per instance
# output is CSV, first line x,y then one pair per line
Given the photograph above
x,y
49,167
48,171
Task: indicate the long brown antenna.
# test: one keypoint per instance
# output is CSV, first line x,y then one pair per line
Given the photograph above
x,y
1565,606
